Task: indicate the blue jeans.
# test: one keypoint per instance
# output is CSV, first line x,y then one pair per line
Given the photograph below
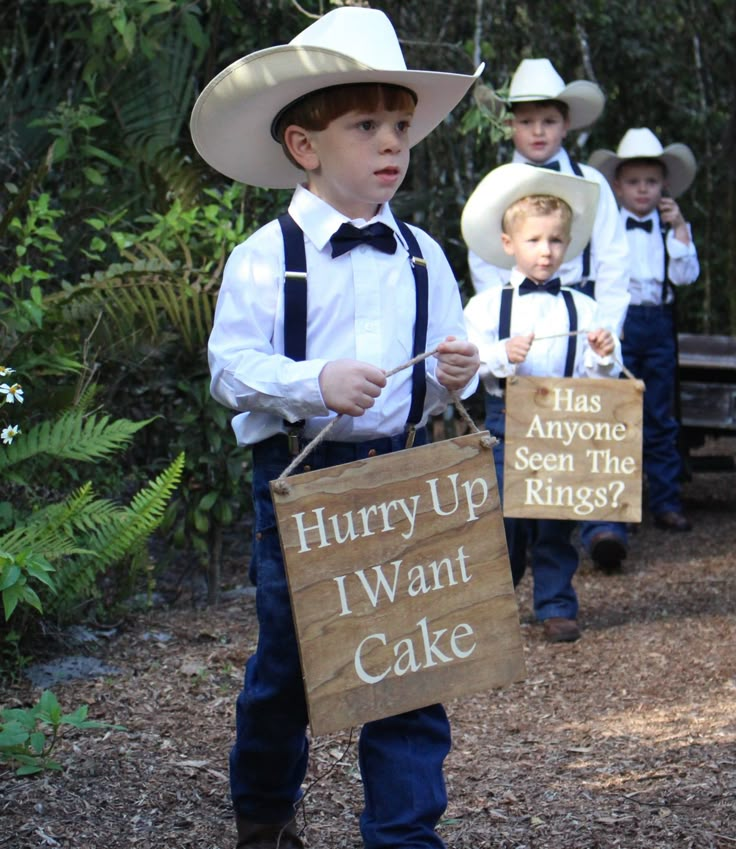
x,y
401,757
648,348
554,559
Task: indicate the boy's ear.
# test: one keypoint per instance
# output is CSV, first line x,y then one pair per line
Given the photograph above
x,y
506,242
298,142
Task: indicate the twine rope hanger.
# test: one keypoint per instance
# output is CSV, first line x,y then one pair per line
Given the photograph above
x,y
282,487
580,333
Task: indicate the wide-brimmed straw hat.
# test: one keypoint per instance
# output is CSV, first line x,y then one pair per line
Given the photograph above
x,y
537,80
482,217
232,120
641,143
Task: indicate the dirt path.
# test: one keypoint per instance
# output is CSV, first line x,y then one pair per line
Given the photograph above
x,y
626,739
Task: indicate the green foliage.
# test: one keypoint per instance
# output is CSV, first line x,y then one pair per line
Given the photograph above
x,y
36,247
86,535
54,545
15,570
28,736
74,436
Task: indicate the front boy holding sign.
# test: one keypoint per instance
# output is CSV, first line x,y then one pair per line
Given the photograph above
x,y
315,308
534,219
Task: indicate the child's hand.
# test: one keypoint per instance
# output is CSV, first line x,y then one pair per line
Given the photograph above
x,y
601,341
350,386
517,348
670,213
458,362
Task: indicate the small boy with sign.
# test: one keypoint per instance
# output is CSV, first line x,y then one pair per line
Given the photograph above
x,y
646,178
533,219
338,105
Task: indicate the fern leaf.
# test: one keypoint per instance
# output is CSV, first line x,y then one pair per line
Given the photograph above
x,y
74,436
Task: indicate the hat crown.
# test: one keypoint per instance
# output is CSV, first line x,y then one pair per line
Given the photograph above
x,y
535,79
364,35
639,143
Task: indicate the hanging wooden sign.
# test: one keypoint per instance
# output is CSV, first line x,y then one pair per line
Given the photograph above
x,y
399,580
573,449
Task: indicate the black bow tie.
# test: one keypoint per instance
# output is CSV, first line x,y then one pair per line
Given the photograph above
x,y
379,236
632,224
551,286
550,166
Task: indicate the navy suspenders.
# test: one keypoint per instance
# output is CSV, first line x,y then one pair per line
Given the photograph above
x,y
421,288
295,307
666,285
578,171
295,290
504,322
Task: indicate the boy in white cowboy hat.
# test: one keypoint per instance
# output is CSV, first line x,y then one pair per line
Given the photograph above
x,y
531,220
646,178
543,109
314,309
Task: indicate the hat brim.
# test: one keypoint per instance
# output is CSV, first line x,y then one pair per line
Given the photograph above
x,y
231,120
677,159
584,101
482,217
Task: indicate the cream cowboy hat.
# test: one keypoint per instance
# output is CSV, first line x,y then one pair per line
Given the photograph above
x,y
536,79
483,213
641,143
232,118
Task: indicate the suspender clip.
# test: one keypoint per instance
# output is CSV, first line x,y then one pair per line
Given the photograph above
x,y
292,440
411,433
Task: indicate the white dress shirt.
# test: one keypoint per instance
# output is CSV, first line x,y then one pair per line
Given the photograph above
x,y
646,251
544,315
360,306
609,254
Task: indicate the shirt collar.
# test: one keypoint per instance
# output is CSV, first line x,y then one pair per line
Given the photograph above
x,y
561,156
319,220
517,277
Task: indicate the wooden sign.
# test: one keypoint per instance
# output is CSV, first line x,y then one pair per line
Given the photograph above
x,y
400,581
573,449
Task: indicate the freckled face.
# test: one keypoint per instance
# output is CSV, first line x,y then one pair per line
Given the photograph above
x,y
538,244
362,158
539,130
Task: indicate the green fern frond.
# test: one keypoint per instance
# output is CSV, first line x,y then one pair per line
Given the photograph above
x,y
111,533
50,531
74,436
144,514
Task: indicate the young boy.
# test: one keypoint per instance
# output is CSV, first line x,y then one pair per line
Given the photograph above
x,y
338,109
543,110
646,178
534,219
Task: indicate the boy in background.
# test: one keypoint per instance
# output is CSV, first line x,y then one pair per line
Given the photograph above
x,y
531,220
646,178
314,309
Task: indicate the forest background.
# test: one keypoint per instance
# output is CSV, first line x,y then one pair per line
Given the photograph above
x,y
118,467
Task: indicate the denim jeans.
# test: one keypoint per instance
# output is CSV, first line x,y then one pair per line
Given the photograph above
x,y
554,558
648,348
401,757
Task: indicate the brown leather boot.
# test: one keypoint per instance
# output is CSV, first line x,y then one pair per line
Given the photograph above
x,y
257,835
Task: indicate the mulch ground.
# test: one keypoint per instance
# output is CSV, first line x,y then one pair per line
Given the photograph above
x,y
625,739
